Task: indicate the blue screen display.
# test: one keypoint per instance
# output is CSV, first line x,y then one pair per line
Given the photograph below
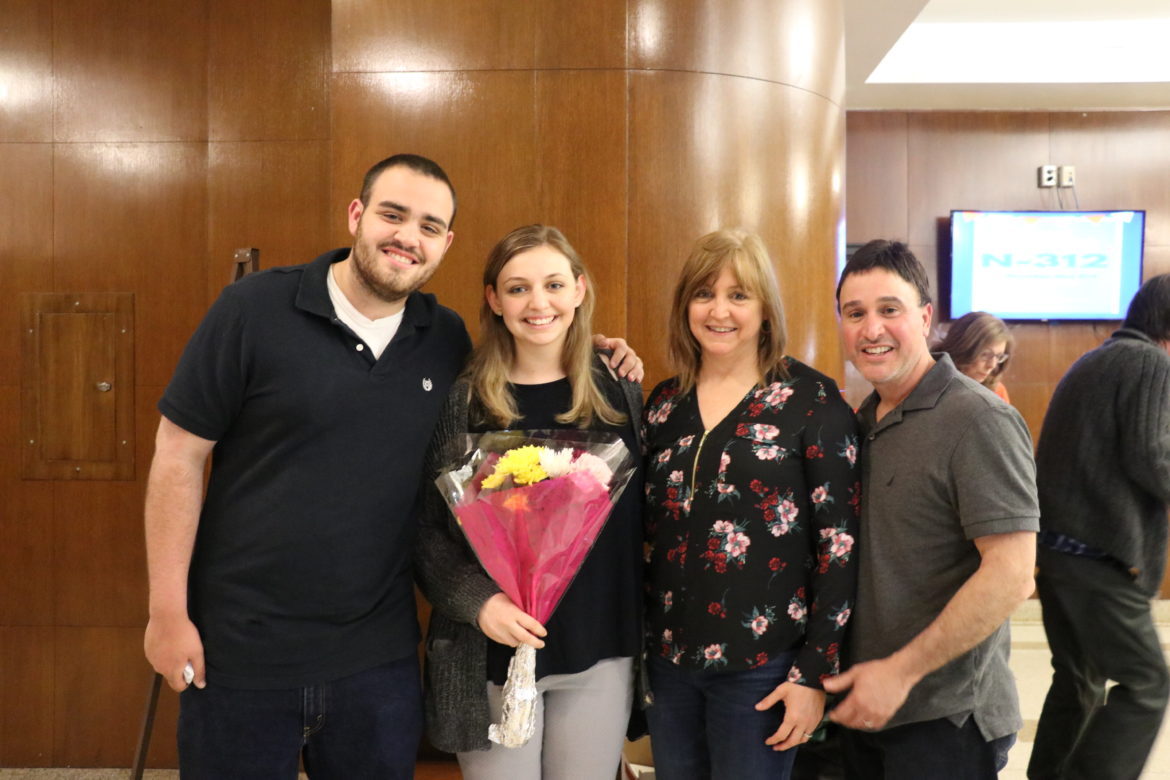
x,y
1046,265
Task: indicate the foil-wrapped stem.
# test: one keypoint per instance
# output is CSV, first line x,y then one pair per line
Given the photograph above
x,y
518,719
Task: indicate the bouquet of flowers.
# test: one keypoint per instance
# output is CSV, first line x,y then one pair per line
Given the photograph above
x,y
531,504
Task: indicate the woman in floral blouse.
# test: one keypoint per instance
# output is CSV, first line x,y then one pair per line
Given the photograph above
x,y
752,492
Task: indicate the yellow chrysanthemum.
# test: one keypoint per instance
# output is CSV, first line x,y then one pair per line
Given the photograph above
x,y
522,464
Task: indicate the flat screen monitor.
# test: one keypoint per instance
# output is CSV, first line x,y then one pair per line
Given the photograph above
x,y
1046,265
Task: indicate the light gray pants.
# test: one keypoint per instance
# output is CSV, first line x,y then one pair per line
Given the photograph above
x,y
580,728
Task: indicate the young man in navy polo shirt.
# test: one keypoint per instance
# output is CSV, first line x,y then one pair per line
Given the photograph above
x,y
285,592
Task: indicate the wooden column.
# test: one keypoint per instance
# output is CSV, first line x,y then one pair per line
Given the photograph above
x,y
633,125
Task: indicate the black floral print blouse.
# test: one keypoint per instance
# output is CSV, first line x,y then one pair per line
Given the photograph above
x,y
751,526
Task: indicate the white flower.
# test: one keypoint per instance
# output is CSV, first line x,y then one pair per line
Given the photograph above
x,y
556,463
595,466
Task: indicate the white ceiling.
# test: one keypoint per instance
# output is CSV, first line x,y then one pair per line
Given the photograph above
x,y
872,27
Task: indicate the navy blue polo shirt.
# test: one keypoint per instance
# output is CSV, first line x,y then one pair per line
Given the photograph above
x,y
301,572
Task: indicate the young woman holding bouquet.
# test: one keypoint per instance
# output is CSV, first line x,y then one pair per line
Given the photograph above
x,y
752,502
534,368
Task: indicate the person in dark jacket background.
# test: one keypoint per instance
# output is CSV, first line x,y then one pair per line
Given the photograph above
x,y
1103,472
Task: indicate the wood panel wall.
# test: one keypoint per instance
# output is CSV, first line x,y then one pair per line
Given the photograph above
x,y
143,144
906,171
139,146
634,126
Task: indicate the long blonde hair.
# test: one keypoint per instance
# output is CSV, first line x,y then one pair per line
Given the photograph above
x,y
747,257
487,369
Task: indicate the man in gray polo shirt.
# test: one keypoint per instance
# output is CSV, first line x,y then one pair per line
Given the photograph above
x,y
947,542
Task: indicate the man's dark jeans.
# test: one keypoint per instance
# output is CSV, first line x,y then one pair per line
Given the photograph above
x,y
365,725
929,749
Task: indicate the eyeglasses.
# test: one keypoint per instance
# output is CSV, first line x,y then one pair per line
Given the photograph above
x,y
998,358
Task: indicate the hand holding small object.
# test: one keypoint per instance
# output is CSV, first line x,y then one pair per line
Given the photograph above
x,y
174,649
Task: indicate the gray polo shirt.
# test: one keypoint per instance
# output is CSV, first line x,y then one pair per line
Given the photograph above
x,y
951,463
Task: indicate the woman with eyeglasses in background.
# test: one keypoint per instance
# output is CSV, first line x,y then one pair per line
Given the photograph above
x,y
980,344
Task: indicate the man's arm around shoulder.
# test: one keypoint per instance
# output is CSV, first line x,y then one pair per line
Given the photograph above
x,y
174,495
988,598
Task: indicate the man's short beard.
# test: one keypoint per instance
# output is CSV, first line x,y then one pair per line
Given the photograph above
x,y
366,273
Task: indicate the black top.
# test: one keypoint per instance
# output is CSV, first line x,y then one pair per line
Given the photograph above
x,y
751,526
301,571
599,616
452,579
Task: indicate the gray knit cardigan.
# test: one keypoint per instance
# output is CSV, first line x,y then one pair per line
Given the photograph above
x,y
1103,462
457,586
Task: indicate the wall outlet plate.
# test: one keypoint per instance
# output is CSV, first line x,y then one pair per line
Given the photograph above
x,y
1066,176
1046,176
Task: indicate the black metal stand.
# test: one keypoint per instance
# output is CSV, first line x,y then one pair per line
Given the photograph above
x,y
147,728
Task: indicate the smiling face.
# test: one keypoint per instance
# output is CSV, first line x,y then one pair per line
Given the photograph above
x,y
401,235
884,331
726,320
537,297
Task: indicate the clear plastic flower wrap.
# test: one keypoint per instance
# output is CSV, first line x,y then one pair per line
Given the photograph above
x,y
531,504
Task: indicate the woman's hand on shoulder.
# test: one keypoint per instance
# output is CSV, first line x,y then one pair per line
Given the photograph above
x,y
624,360
502,621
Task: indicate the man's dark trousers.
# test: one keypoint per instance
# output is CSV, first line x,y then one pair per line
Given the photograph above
x,y
1100,628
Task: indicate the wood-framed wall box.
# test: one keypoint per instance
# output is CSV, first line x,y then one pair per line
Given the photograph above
x,y
77,386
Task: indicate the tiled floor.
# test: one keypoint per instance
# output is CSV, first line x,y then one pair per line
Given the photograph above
x,y
1030,662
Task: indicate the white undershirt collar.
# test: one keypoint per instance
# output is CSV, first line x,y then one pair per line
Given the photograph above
x,y
375,333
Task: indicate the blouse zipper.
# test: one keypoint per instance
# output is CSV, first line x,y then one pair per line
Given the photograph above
x,y
695,467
